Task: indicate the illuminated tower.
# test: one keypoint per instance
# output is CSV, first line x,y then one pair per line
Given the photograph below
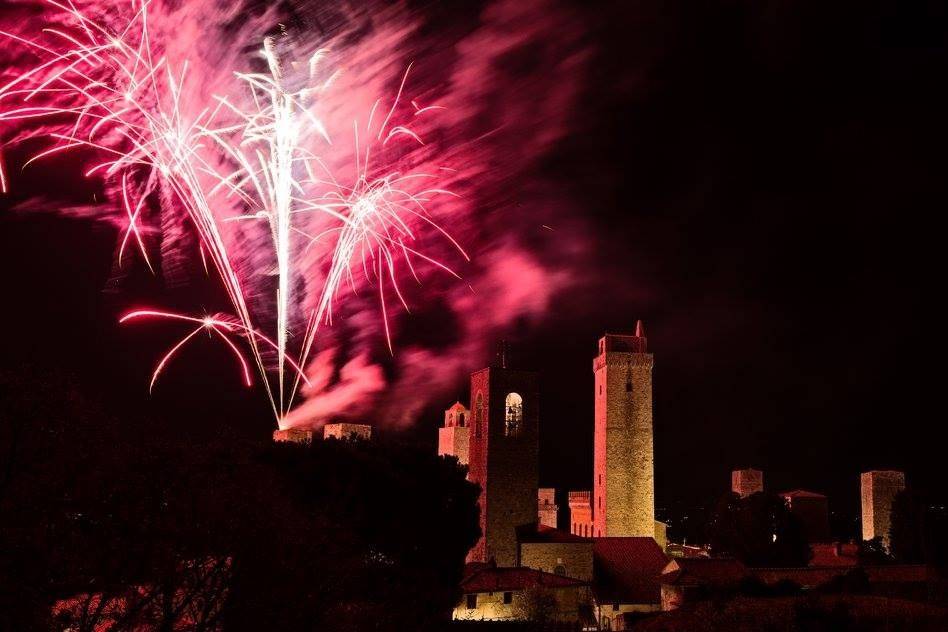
x,y
624,480
454,437
503,458
879,488
747,482
547,508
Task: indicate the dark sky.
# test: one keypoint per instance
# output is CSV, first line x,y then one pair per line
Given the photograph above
x,y
763,181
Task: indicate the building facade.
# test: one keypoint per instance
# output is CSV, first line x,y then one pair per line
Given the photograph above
x,y
746,482
623,484
454,438
879,488
504,457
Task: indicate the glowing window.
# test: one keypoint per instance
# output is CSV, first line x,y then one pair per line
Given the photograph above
x,y
513,415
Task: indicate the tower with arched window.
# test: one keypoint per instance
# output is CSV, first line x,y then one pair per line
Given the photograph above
x,y
623,499
504,447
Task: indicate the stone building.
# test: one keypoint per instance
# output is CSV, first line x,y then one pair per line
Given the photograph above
x,y
555,551
812,511
879,488
623,485
293,435
504,456
580,513
454,438
746,482
504,594
347,431
547,509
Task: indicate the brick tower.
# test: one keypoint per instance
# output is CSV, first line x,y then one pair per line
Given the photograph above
x,y
624,480
504,458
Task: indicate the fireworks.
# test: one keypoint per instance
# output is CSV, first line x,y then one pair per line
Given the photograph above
x,y
253,152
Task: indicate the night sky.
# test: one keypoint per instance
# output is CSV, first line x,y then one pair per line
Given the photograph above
x,y
761,183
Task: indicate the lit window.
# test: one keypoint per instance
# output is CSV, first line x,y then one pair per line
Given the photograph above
x,y
513,415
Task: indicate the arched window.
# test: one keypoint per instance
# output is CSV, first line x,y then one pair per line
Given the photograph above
x,y
513,415
559,570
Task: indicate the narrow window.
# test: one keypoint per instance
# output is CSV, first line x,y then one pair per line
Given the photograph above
x,y
472,602
508,597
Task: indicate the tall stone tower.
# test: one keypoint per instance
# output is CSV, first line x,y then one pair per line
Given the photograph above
x,y
504,460
624,479
879,488
454,437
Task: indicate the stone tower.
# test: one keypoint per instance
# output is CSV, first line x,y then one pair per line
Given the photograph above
x,y
504,453
624,479
879,488
747,482
547,509
454,437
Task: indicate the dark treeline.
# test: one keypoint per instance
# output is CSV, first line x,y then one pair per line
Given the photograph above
x,y
148,529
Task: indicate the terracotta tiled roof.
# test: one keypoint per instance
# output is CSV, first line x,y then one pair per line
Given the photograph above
x,y
801,493
543,533
516,578
704,571
628,570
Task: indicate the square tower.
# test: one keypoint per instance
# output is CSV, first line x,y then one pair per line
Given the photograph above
x,y
504,448
623,476
580,514
454,437
747,482
879,488
547,509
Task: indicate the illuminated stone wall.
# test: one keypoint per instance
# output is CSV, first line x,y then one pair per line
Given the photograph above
x,y
747,482
879,488
574,559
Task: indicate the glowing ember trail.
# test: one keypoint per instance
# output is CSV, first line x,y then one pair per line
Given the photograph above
x,y
255,151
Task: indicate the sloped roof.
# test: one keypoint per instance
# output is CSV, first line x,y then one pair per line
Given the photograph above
x,y
458,406
627,570
801,493
704,571
543,533
493,579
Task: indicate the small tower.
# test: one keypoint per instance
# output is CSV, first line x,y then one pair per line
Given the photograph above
x,y
547,508
504,450
624,479
879,488
747,482
580,514
454,437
